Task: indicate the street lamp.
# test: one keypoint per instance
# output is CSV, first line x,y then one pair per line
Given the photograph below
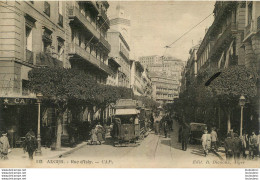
x,y
242,102
38,150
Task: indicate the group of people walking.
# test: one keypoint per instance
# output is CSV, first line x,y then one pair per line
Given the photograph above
x,y
97,134
29,145
165,125
247,146
209,141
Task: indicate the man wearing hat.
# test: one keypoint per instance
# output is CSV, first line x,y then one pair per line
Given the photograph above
x,y
4,146
229,147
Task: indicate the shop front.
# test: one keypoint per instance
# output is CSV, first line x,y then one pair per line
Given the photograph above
x,y
17,117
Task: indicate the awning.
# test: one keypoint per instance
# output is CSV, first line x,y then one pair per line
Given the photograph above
x,y
126,111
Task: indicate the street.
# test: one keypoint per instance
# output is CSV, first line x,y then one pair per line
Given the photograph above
x,y
152,150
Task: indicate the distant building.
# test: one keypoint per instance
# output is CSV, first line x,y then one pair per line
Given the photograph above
x,y
190,71
148,61
165,89
167,69
140,80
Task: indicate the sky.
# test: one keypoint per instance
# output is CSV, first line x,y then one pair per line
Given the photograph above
x,y
155,24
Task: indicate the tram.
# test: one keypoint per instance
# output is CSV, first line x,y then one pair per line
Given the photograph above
x,y
128,124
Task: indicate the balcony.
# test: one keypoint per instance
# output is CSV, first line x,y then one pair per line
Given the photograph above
x,y
76,50
105,43
78,17
221,42
47,60
79,52
29,56
252,28
106,68
124,52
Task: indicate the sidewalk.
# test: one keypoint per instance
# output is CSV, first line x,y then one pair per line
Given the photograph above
x,y
47,153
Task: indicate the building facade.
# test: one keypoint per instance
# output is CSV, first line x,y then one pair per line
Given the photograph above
x,y
120,52
140,80
54,34
118,37
222,43
251,39
231,40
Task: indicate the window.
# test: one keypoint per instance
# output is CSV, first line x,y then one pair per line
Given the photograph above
x,y
60,49
25,87
28,31
47,41
60,14
47,8
250,11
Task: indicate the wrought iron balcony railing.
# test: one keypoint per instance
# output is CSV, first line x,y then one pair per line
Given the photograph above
x,y
105,43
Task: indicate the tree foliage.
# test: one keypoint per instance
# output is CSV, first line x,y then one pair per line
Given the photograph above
x,y
148,103
200,102
65,85
234,82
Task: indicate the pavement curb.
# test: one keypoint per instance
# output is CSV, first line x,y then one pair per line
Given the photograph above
x,y
70,151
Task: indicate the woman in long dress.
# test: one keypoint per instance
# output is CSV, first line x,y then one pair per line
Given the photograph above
x,y
4,145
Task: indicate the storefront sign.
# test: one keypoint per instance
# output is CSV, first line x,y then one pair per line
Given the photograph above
x,y
17,101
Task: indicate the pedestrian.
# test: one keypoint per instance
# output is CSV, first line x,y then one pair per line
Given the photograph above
x,y
237,147
48,136
165,128
156,127
245,145
179,134
214,138
185,136
93,136
229,147
253,145
99,132
206,142
30,144
4,146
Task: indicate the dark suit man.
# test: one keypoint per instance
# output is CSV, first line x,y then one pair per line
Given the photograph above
x,y
237,147
229,147
185,136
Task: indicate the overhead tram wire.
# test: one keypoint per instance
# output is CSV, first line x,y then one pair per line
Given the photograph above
x,y
169,46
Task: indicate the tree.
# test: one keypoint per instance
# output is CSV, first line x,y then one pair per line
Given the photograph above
x,y
231,84
71,89
61,88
